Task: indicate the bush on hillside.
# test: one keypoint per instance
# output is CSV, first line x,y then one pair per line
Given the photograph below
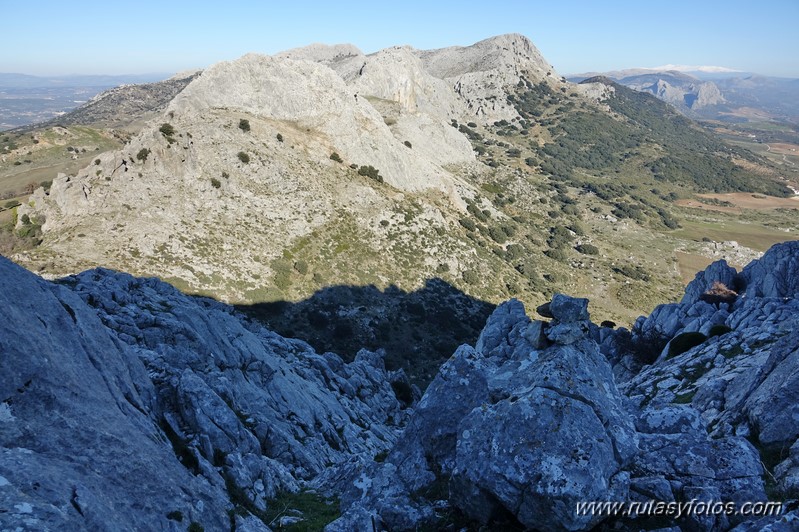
x,y
167,130
370,171
685,341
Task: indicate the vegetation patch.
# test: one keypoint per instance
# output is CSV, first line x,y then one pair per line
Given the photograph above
x,y
685,341
316,511
684,398
168,131
371,172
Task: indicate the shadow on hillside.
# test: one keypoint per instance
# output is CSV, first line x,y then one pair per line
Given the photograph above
x,y
418,330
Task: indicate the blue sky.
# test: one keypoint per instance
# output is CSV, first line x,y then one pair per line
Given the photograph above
x,y
120,37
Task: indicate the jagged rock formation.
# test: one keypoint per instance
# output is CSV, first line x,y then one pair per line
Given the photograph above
x,y
181,201
480,73
684,92
125,403
510,428
313,96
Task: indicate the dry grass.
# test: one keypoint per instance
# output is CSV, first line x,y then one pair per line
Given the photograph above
x,y
690,264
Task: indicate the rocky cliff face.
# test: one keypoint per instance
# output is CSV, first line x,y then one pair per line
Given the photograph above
x,y
214,205
687,97
480,73
532,420
124,403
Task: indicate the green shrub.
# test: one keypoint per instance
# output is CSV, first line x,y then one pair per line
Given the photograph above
x,y
175,516
215,182
381,456
370,171
195,527
718,330
336,157
685,341
556,254
497,235
473,209
316,510
559,237
508,229
279,137
167,131
96,162
468,224
244,125
283,280
243,157
587,249
470,277
633,272
301,266
143,154
408,144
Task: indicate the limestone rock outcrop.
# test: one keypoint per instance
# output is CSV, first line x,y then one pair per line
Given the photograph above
x,y
479,73
520,428
125,402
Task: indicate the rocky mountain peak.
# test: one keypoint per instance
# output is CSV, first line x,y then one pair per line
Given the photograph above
x,y
510,54
480,72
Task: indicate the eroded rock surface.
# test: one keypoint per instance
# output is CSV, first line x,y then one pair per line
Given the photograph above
x,y
126,403
531,421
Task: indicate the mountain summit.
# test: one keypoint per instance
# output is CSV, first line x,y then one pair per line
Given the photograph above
x,y
268,178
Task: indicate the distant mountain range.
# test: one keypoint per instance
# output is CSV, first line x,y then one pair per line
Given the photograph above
x,y
713,92
28,99
25,81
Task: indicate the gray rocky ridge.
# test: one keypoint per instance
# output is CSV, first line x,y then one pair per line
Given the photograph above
x,y
126,404
211,182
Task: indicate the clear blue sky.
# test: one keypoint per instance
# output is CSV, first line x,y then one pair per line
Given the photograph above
x,y
50,37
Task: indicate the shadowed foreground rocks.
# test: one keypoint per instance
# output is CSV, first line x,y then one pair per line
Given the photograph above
x,y
125,404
